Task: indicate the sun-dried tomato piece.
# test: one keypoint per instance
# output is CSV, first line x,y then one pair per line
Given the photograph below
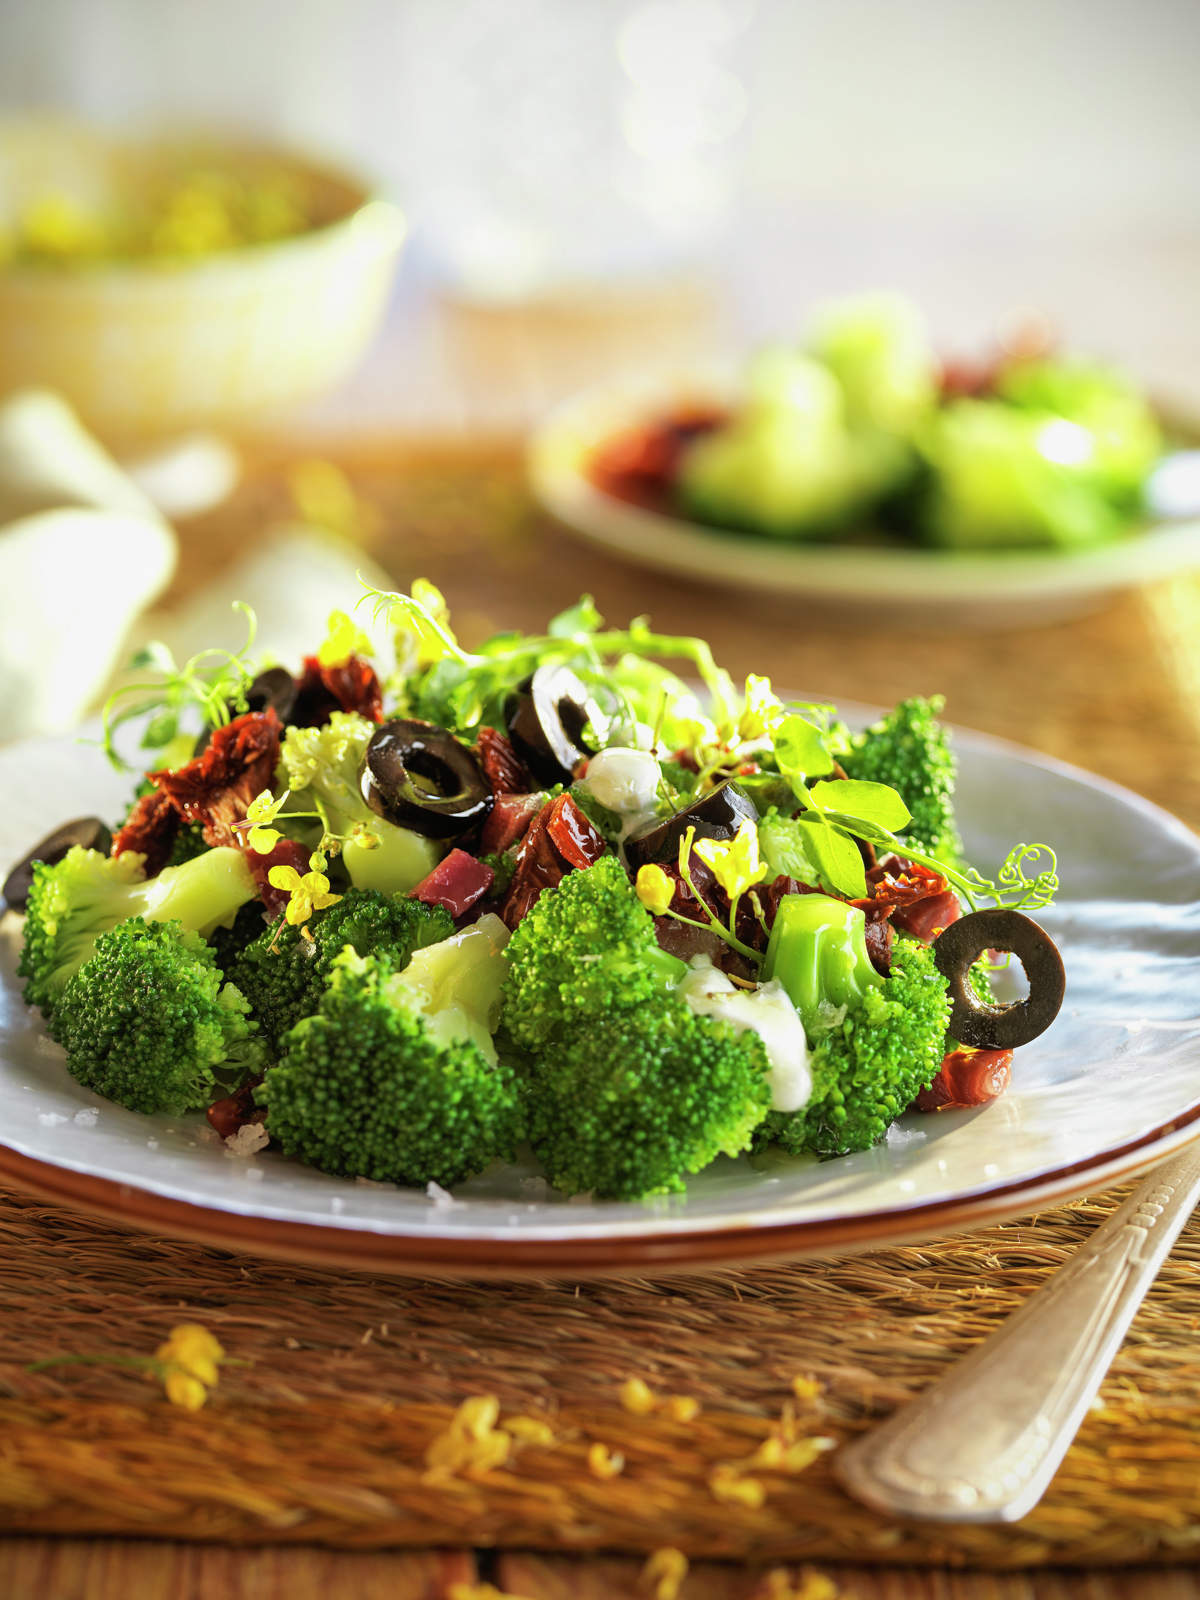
x,y
641,464
503,768
573,835
351,685
151,828
559,838
216,788
967,1078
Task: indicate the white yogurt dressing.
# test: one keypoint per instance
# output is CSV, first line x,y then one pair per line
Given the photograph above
x,y
766,1011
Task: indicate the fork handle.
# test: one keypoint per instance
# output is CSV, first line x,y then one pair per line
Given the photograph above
x,y
982,1443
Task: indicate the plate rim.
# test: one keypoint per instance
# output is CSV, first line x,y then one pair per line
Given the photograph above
x,y
554,465
374,1248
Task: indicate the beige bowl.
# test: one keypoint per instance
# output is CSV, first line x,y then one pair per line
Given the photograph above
x,y
144,347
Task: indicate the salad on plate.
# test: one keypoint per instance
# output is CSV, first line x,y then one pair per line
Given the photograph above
x,y
549,893
858,431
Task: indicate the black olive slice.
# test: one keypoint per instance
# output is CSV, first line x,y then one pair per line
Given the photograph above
x,y
421,777
90,832
718,815
273,687
977,1022
546,720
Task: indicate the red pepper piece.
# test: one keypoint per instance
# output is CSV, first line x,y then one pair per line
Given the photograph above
x,y
508,821
967,1078
455,883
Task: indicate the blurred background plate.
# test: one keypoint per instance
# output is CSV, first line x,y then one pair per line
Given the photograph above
x,y
1112,1087
996,587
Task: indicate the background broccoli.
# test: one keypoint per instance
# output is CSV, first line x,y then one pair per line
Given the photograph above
x,y
283,972
634,1101
586,949
321,767
380,1084
85,894
147,1022
871,1065
909,750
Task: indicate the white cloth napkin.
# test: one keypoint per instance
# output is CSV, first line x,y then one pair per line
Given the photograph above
x,y
82,553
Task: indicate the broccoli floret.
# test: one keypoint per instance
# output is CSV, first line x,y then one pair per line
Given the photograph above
x,y
587,949
227,944
909,750
632,1103
86,893
390,1083
283,972
871,1066
189,843
818,952
321,767
781,844
146,1021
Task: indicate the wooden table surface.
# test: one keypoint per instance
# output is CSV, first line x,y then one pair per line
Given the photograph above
x,y
1117,691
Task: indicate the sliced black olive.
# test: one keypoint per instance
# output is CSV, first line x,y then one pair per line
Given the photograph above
x,y
421,777
546,720
90,832
718,815
274,687
977,1022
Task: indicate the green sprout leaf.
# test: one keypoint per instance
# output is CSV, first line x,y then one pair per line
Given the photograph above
x,y
869,802
801,750
836,857
582,617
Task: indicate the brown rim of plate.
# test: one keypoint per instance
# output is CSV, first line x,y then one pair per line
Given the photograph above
x,y
366,1250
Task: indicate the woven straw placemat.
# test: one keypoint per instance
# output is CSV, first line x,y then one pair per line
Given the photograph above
x,y
320,1431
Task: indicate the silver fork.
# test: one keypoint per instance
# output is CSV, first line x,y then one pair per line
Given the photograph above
x,y
982,1443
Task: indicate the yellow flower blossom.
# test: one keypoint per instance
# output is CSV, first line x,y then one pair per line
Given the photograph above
x,y
343,640
728,1485
762,710
683,1407
806,1388
637,1396
654,889
735,862
603,1462
472,1443
305,894
261,812
664,1572
188,1360
810,1585
529,1430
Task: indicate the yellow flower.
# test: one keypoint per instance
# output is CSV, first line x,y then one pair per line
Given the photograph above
x,y
189,1358
637,1395
344,639
735,862
664,1572
654,889
305,894
603,1462
262,811
763,709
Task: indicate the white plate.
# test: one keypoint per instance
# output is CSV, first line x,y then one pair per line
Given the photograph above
x,y
1113,1085
999,587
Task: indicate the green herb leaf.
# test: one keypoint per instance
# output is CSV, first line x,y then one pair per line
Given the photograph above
x,y
160,730
869,802
836,857
156,657
800,749
582,617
